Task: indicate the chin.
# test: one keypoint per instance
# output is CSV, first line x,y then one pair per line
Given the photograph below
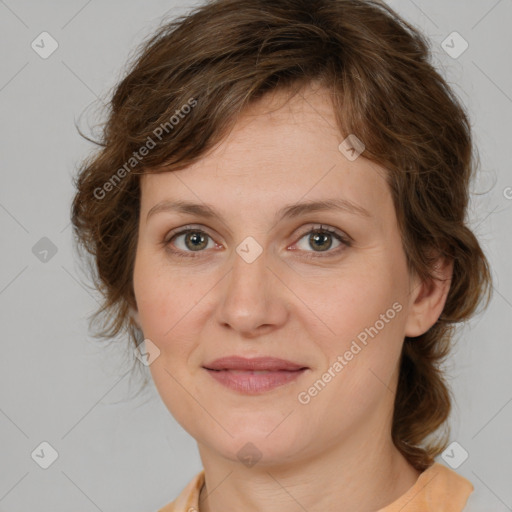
x,y
256,445
261,452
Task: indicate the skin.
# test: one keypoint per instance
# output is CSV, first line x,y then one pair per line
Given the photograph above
x,y
335,452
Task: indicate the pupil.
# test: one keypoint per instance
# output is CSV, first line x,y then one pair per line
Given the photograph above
x,y
318,236
196,237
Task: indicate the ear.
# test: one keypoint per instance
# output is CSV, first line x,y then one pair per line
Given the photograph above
x,y
428,299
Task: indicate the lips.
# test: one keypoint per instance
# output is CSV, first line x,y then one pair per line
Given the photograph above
x,y
256,364
254,376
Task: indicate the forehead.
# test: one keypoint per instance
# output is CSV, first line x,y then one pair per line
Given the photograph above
x,y
281,150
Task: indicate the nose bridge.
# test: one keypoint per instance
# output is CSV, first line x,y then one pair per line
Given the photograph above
x,y
248,280
251,295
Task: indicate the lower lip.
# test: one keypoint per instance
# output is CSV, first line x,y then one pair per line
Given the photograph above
x,y
253,383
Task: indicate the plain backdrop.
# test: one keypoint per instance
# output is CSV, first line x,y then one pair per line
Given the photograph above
x,y
121,451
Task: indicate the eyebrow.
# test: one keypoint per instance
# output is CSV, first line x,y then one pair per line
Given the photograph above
x,y
287,212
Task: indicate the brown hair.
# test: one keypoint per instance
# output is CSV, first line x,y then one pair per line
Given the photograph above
x,y
191,78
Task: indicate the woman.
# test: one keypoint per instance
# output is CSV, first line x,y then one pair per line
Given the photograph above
x,y
278,211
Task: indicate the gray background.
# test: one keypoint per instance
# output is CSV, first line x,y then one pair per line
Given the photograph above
x,y
118,451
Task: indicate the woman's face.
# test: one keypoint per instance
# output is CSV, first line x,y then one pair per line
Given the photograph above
x,y
250,281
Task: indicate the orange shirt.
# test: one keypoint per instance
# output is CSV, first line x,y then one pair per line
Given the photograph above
x,y
438,489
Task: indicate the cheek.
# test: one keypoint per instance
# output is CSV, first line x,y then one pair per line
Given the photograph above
x,y
162,296
352,301
168,318
365,315
176,390
171,306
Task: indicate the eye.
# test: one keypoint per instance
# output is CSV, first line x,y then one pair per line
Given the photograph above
x,y
195,240
321,238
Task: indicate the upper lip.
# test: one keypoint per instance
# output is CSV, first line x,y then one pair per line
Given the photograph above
x,y
256,363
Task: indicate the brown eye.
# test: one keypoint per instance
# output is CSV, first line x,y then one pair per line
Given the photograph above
x,y
186,242
321,240
192,240
196,240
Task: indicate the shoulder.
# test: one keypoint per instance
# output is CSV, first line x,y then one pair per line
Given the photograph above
x,y
188,499
437,489
445,489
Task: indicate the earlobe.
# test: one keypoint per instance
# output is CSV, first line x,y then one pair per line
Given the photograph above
x,y
428,300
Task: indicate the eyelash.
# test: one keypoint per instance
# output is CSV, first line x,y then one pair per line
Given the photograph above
x,y
345,241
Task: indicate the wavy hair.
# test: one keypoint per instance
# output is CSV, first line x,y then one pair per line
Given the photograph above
x,y
191,78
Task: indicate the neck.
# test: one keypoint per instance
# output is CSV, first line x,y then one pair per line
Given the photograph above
x,y
367,477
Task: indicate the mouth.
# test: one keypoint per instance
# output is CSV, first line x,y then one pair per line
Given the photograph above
x,y
257,364
256,375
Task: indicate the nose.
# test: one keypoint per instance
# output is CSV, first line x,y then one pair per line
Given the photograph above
x,y
254,297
